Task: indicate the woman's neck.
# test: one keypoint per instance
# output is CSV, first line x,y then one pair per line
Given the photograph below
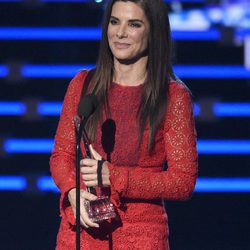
x,y
130,74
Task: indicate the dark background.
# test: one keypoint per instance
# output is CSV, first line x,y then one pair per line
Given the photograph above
x,y
30,219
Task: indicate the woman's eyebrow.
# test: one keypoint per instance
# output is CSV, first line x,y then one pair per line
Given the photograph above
x,y
114,17
135,20
130,20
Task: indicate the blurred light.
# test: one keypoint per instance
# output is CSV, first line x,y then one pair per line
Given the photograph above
x,y
223,146
46,183
49,108
37,146
192,20
182,71
209,35
12,183
12,108
247,52
233,15
203,184
232,109
242,33
4,71
11,1
97,1
197,109
214,72
214,14
185,1
45,146
210,185
49,1
52,71
46,33
54,109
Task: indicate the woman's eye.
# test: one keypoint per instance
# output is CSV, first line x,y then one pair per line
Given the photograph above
x,y
113,22
135,25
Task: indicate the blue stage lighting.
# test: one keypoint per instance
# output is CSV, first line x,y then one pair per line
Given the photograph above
x,y
30,146
11,1
46,183
89,1
223,146
214,72
42,146
12,108
12,183
49,108
46,33
4,71
197,109
210,185
52,71
182,71
66,1
203,184
232,109
209,35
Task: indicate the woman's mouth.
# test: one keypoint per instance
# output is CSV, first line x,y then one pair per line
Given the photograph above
x,y
121,45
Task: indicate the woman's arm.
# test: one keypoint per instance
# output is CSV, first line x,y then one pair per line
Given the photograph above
x,y
62,161
178,181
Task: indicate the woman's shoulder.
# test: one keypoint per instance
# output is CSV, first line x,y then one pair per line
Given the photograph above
x,y
78,79
177,87
75,86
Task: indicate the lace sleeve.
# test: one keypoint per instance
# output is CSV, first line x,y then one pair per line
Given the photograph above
x,y
62,161
177,183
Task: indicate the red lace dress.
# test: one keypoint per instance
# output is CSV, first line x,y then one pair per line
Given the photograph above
x,y
138,183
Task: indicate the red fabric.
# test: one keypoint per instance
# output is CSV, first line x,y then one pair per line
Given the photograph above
x,y
138,183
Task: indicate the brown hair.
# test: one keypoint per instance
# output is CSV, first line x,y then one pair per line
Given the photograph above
x,y
159,70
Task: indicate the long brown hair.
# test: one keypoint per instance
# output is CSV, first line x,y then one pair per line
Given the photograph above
x,y
159,70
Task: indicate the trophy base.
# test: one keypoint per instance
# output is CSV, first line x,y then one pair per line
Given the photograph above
x,y
100,209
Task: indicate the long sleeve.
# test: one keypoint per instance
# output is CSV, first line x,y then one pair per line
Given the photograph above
x,y
62,161
178,181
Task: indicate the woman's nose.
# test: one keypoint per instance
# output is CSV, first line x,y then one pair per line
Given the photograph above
x,y
122,32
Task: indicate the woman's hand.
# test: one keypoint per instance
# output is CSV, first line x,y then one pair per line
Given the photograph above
x,y
89,170
84,195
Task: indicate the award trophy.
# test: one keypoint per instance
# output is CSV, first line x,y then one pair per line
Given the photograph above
x,y
101,208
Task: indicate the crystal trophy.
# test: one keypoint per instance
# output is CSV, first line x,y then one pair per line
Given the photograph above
x,y
100,209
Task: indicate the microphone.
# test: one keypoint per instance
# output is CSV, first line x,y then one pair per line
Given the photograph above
x,y
86,108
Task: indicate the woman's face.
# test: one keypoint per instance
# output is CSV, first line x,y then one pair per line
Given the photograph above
x,y
128,31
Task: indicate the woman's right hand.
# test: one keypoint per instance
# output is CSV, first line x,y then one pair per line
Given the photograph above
x,y
84,195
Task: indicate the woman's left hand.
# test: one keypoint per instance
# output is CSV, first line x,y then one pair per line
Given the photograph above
x,y
89,170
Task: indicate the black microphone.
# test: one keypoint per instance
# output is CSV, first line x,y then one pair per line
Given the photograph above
x,y
86,108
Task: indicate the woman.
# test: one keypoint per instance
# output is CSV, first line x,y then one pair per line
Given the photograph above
x,y
152,122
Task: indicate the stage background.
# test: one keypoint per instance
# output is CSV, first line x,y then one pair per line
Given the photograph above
x,y
44,43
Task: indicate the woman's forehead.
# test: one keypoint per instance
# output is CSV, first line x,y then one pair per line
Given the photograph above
x,y
128,10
